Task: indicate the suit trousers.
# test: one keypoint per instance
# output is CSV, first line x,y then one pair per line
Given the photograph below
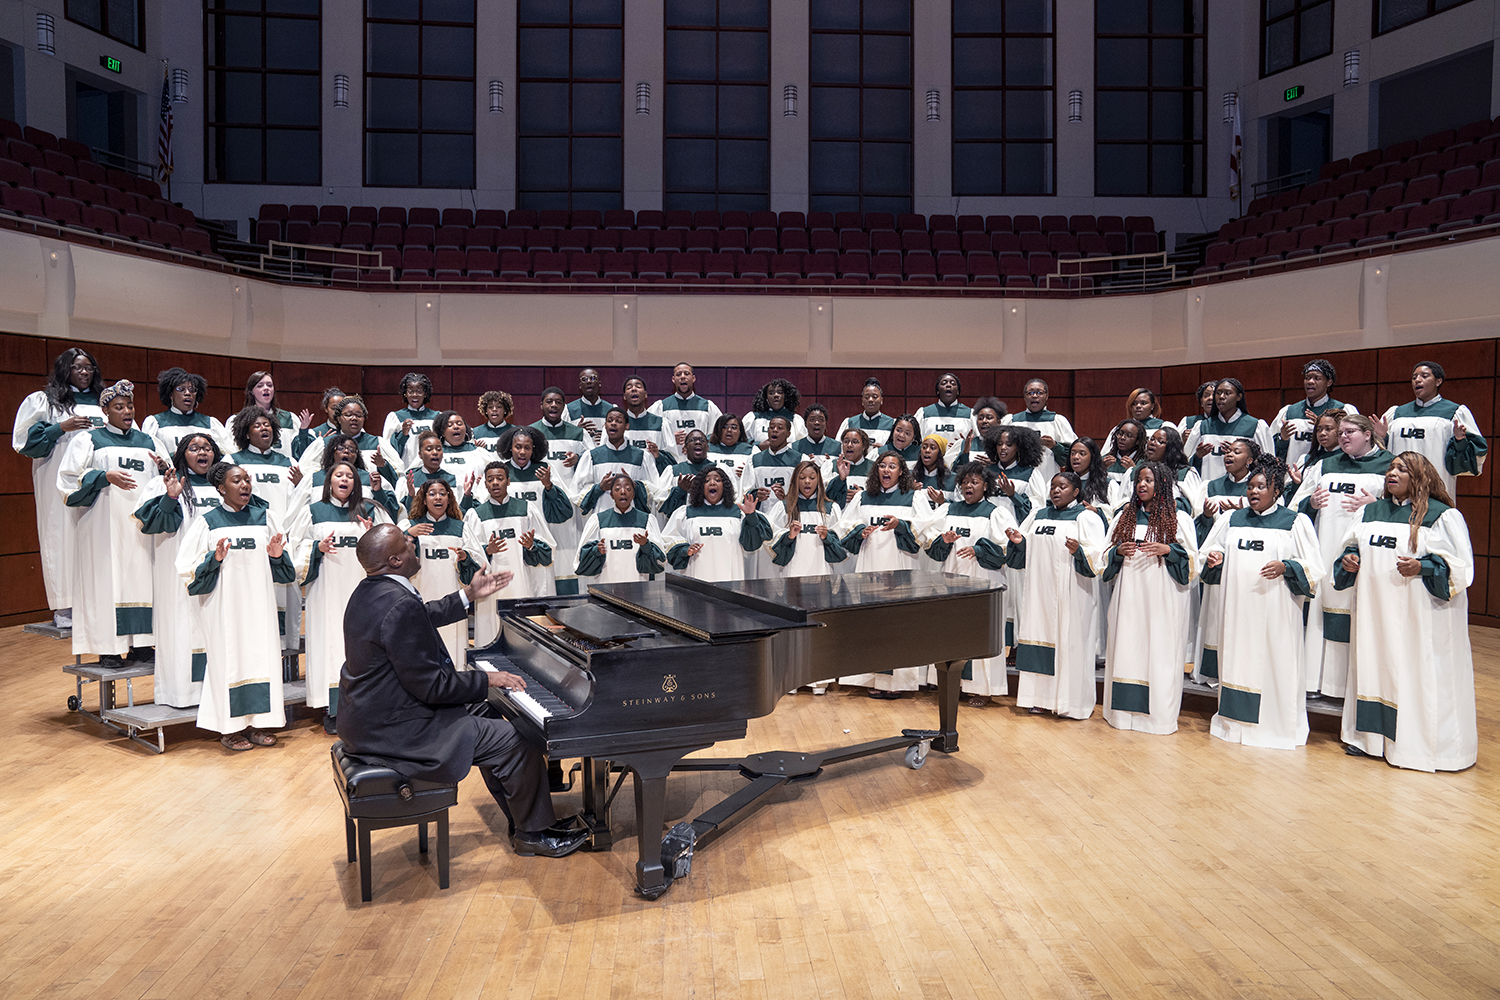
x,y
515,773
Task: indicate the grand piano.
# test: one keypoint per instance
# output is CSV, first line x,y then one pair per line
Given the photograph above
x,y
633,677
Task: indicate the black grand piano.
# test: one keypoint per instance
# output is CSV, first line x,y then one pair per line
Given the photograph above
x,y
636,676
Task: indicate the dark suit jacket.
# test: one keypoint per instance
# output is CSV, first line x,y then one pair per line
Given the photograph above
x,y
401,702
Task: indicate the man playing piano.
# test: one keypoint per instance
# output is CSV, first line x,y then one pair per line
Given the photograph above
x,y
403,705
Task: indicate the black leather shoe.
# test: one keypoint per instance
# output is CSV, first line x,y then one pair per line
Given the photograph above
x,y
548,844
330,724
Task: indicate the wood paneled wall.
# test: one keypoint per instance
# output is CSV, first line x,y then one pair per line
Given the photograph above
x,y
1094,399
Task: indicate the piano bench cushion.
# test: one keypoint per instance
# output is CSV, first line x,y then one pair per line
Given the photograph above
x,y
372,791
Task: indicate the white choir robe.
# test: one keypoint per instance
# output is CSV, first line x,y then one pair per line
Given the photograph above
x,y
1206,601
596,463
1428,431
509,518
443,572
1218,432
878,428
405,445
1328,613
897,548
955,423
623,560
1048,424
807,554
765,471
328,580
680,414
726,534
378,454
1411,674
1148,630
170,426
271,480
1303,442
982,527
757,423
235,603
1022,503
38,435
180,650
563,524
734,460
1056,635
111,558
1260,658
463,461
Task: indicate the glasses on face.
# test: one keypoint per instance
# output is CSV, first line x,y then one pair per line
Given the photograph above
x,y
84,367
1347,432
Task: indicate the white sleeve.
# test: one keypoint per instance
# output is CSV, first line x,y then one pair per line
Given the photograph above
x,y
1187,537
34,409
1309,552
194,547
1216,540
1276,423
1449,538
311,461
221,436
1264,439
1064,431
77,461
675,531
1311,479
299,533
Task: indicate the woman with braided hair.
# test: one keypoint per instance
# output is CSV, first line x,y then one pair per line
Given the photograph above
x,y
402,426
1266,563
1152,560
1411,674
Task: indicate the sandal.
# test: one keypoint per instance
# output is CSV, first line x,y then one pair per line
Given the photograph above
x,y
235,742
978,701
259,738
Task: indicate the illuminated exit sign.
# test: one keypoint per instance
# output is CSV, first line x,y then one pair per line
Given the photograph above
x,y
113,65
1292,93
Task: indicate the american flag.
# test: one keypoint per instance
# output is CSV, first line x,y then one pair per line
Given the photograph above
x,y
164,131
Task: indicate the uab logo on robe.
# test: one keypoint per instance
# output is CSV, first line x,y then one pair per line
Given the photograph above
x,y
529,497
267,477
1252,545
505,532
1342,488
685,424
1302,436
558,455
1413,432
1046,529
964,532
1382,541
242,543
439,554
711,531
133,464
776,481
621,543
346,541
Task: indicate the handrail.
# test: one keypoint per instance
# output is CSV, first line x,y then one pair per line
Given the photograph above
x,y
1283,183
1369,250
150,168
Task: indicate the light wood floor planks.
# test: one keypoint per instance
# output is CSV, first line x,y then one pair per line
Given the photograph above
x,y
1047,859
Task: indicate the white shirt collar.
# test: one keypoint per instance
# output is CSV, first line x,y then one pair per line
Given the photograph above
x,y
1435,399
1319,402
404,581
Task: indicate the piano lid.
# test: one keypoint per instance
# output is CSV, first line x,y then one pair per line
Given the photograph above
x,y
709,612
810,594
597,623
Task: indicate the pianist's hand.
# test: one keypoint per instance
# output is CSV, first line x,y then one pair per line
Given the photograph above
x,y
484,584
501,679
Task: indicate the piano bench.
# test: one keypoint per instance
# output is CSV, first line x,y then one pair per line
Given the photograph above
x,y
379,798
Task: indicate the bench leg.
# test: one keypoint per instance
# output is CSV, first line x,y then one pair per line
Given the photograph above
x,y
365,892
349,838
422,838
442,848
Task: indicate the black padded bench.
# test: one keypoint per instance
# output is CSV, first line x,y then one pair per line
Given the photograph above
x,y
379,798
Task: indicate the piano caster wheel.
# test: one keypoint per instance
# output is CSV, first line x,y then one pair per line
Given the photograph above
x,y
916,755
73,703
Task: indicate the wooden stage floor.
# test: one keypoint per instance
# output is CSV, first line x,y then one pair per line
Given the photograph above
x,y
1047,859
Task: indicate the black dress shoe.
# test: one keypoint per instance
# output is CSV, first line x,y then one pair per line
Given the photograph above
x,y
548,844
880,695
112,661
142,654
330,724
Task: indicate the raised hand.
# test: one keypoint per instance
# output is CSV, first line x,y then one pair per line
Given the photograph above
x,y
1287,430
1007,486
1048,441
653,448
174,485
641,538
221,549
843,466
544,474
950,536
305,419
890,523
276,546
935,496
1015,537
497,544
469,482
528,539
365,523
406,426
459,555
793,529
748,504
1126,461
295,475
484,584
570,460
1459,430
375,482
1128,549
326,545
600,547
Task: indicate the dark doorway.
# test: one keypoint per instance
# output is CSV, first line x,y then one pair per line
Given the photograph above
x,y
1300,143
106,120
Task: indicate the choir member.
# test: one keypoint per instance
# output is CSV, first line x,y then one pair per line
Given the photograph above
x,y
1013,451
461,456
168,508
430,467
333,398
260,392
1441,431
777,398
1125,450
532,481
931,472
875,424
809,544
513,537
969,537
903,439
403,426
1143,406
1057,554
882,524
988,412
677,482
852,467
1325,445
102,478
1293,427
621,542
324,535
1205,397
727,447
1085,462
345,448
350,416
708,537
46,424
1222,497
436,525
231,559
645,428
1266,561
684,410
948,417
274,479
566,442
769,472
588,410
615,456
1152,559
1410,563
496,408
1228,421
182,393
1333,493
818,446
1056,433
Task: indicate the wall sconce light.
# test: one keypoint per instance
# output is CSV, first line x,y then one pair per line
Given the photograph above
x,y
497,97
789,97
643,98
1075,105
179,86
341,90
46,37
1231,105
933,99
1351,68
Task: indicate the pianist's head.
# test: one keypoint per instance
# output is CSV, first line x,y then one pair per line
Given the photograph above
x,y
386,549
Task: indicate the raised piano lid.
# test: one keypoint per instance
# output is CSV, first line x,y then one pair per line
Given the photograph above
x,y
811,594
705,611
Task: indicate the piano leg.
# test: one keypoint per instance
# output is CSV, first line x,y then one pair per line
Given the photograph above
x,y
651,770
945,738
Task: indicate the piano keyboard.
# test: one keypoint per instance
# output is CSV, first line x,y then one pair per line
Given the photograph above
x,y
536,701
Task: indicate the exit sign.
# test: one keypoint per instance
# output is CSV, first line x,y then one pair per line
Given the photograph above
x,y
113,65
1292,93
